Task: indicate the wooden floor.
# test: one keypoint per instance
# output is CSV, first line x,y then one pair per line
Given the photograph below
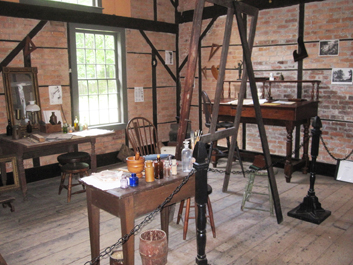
x,y
46,229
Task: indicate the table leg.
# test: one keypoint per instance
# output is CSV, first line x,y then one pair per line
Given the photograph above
x,y
93,155
22,175
306,146
93,222
127,220
288,168
3,173
165,220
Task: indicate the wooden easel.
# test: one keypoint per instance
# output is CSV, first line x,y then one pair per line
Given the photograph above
x,y
241,12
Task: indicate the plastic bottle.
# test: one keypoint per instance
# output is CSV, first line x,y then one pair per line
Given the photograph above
x,y
186,155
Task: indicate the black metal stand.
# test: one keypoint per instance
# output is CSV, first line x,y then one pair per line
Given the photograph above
x,y
310,209
201,166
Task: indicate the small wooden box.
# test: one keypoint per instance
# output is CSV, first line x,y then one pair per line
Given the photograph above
x,y
49,128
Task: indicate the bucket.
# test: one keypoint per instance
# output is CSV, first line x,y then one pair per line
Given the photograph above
x,y
154,247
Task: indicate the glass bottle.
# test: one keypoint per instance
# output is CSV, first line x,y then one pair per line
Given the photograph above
x,y
9,129
29,127
76,124
65,128
158,168
149,170
186,155
53,119
133,181
174,167
84,125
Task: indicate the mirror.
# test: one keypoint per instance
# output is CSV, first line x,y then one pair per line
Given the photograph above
x,y
21,87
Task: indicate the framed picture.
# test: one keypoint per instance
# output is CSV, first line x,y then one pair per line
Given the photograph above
x,y
329,47
344,170
341,76
169,57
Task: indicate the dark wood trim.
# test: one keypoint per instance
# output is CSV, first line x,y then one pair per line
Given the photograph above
x,y
22,44
71,16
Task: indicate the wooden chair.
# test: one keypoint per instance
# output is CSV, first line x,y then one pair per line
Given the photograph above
x,y
218,152
187,213
142,135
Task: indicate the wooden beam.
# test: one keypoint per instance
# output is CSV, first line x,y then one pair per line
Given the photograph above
x,y
22,44
73,16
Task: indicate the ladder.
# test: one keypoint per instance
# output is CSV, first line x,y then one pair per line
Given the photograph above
x,y
241,12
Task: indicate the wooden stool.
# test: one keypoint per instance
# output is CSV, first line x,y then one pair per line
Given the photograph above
x,y
7,201
187,213
70,169
249,191
74,157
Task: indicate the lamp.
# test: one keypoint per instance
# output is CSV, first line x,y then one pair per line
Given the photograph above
x,y
33,108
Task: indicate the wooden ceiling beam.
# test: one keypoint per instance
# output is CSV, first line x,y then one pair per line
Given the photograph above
x,y
72,16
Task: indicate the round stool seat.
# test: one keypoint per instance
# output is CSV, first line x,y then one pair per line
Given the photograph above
x,y
75,168
209,189
74,157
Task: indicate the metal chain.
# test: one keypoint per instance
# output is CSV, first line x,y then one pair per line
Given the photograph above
x,y
145,221
331,155
263,168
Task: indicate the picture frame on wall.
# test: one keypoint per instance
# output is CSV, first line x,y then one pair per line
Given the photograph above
x,y
342,76
344,170
329,48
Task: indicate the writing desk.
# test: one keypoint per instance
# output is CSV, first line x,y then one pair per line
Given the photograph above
x,y
132,203
286,115
25,148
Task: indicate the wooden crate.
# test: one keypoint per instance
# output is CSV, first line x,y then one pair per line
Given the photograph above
x,y
49,128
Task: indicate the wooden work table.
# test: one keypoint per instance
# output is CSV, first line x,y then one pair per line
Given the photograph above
x,y
285,115
26,148
131,203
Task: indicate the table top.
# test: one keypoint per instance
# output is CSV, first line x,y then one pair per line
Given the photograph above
x,y
143,185
54,138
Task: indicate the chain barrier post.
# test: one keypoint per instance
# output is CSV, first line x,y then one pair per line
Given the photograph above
x,y
310,209
201,166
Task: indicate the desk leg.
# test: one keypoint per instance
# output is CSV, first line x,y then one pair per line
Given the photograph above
x,y
306,146
93,221
93,156
165,220
3,173
127,220
288,167
22,175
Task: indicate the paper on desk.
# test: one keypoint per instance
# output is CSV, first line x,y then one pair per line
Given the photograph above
x,y
92,132
105,180
284,102
247,101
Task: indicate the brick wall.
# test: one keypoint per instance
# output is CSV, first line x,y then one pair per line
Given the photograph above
x,y
51,59
275,41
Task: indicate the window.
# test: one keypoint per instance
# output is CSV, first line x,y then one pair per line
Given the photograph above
x,y
97,57
79,2
78,5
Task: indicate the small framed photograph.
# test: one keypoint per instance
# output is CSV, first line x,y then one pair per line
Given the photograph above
x,y
344,170
329,47
56,95
169,57
342,76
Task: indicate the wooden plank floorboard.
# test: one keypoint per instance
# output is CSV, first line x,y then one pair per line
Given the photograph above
x,y
46,230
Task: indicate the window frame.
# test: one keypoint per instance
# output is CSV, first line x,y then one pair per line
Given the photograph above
x,y
120,72
76,7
